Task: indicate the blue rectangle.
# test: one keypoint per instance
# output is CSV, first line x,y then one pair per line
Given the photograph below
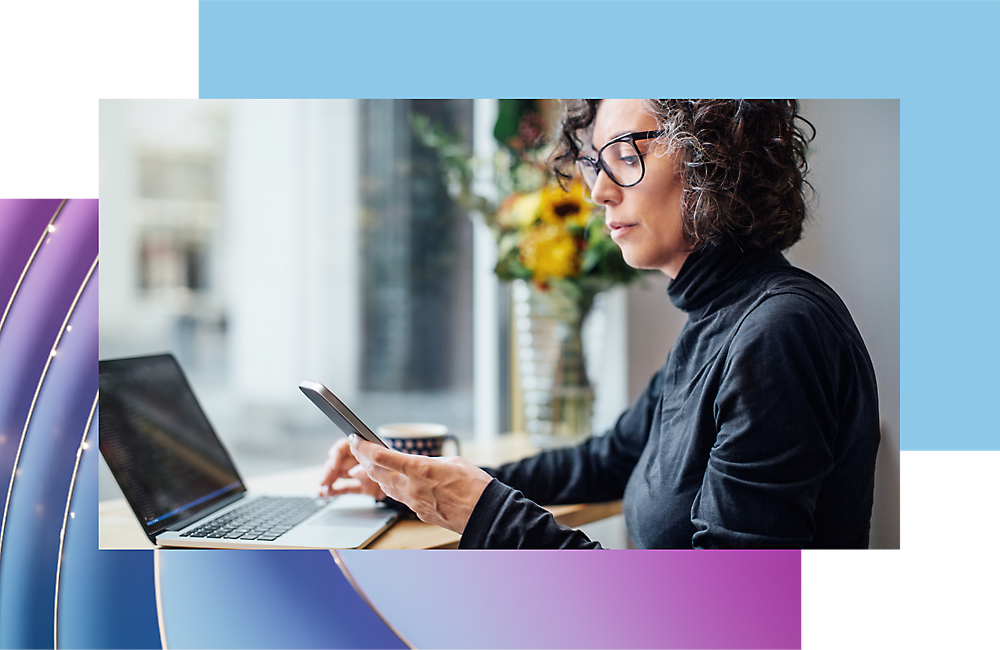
x,y
939,58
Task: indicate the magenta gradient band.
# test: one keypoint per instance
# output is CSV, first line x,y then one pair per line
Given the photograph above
x,y
585,599
478,599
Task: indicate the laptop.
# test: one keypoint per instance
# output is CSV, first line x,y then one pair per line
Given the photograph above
x,y
183,487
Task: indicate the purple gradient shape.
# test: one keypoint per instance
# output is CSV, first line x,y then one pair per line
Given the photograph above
x,y
264,599
107,599
41,487
586,599
36,316
22,222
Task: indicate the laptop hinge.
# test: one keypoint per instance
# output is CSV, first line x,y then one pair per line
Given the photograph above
x,y
201,514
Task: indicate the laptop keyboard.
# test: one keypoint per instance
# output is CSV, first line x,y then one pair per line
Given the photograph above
x,y
263,518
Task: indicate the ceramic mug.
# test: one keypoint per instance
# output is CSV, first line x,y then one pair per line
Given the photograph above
x,y
421,438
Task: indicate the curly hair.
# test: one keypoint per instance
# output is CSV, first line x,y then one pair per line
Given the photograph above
x,y
743,165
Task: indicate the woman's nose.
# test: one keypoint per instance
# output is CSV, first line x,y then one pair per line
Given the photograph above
x,y
605,190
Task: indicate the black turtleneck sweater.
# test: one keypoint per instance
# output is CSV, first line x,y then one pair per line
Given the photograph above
x,y
759,432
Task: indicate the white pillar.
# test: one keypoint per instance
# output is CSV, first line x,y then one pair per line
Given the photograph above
x,y
486,361
119,284
292,213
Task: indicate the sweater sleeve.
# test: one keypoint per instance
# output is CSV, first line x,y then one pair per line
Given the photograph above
x,y
504,519
776,419
507,514
594,471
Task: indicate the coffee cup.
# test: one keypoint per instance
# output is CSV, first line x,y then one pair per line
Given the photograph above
x,y
420,438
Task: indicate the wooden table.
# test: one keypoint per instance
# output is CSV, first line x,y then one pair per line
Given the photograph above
x,y
118,528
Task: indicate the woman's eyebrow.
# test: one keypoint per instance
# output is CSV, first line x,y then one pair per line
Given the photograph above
x,y
618,135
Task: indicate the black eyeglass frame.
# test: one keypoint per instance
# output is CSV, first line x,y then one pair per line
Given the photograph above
x,y
631,138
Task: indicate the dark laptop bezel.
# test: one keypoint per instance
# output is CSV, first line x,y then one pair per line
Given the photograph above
x,y
201,509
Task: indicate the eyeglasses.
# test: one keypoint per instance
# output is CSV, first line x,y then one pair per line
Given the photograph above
x,y
620,159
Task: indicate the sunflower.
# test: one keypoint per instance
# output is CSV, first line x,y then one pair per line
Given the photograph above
x,y
520,210
549,251
562,208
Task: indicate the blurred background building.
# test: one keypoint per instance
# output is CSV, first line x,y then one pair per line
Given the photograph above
x,y
267,242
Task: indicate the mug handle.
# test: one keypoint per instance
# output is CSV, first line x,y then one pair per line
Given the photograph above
x,y
454,439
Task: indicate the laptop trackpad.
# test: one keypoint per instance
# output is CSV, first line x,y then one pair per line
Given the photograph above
x,y
350,517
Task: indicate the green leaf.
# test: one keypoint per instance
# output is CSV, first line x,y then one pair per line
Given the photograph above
x,y
509,115
590,260
512,269
507,244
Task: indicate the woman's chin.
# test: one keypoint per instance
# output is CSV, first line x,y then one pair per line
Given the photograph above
x,y
636,261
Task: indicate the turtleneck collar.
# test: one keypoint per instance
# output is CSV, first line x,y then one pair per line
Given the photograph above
x,y
709,272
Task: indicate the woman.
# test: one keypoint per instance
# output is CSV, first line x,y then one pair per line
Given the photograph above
x,y
761,429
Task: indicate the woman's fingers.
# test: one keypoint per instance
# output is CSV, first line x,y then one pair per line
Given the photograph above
x,y
355,481
389,481
382,456
367,486
345,486
339,461
387,467
441,491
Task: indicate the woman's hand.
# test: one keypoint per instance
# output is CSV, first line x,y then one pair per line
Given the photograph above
x,y
343,475
442,491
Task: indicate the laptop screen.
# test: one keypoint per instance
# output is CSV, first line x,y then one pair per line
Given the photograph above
x,y
158,443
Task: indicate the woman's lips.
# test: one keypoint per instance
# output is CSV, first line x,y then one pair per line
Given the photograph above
x,y
619,229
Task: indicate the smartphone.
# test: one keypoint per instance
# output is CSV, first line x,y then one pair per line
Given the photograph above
x,y
338,412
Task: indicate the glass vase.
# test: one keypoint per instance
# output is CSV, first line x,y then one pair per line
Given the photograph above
x,y
556,396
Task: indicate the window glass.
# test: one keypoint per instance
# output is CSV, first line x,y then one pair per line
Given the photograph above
x,y
264,243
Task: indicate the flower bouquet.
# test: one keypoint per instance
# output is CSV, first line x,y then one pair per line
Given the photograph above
x,y
553,244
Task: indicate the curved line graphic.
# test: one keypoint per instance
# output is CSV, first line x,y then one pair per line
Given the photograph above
x,y
62,532
159,600
38,389
347,574
45,233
